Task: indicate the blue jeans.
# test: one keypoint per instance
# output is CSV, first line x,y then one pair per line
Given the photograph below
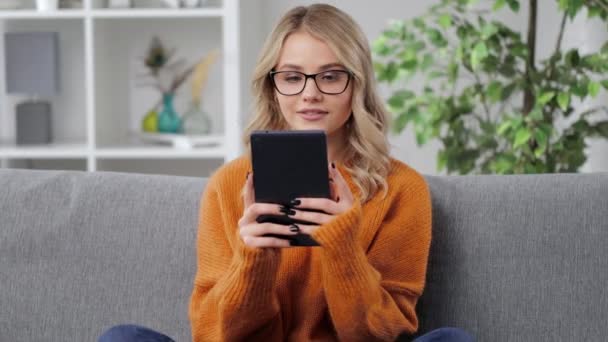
x,y
135,333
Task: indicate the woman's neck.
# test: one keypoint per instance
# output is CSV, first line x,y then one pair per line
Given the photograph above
x,y
336,144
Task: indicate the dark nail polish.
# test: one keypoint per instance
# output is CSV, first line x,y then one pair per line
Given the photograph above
x,y
331,179
295,202
294,228
338,199
287,211
247,176
333,165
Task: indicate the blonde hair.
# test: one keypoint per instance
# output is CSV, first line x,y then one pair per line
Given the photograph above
x,y
367,152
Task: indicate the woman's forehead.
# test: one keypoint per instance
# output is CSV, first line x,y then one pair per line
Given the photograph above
x,y
302,51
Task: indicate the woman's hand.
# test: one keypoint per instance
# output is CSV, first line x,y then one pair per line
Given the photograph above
x,y
253,232
342,200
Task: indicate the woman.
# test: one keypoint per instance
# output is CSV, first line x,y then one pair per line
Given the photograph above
x,y
315,72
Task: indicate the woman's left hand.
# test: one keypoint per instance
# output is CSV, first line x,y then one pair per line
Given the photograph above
x,y
342,200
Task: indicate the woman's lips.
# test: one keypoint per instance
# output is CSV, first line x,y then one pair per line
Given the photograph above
x,y
312,115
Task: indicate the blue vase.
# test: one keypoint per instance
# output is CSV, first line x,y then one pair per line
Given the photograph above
x,y
168,121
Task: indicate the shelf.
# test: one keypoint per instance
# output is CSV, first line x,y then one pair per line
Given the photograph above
x,y
115,13
157,13
32,14
55,150
159,152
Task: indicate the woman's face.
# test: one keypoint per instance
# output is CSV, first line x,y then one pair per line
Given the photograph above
x,y
312,109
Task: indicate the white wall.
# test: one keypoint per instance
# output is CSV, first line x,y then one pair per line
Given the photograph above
x,y
373,17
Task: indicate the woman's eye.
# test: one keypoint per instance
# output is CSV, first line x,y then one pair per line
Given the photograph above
x,y
292,78
330,76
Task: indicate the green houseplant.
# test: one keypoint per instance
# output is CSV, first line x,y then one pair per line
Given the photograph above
x,y
494,106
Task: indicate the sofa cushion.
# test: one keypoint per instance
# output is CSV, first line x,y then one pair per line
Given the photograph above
x,y
519,258
80,252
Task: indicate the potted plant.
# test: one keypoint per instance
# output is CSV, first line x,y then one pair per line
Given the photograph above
x,y
486,97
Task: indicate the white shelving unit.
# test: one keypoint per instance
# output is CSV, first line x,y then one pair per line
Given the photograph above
x,y
99,107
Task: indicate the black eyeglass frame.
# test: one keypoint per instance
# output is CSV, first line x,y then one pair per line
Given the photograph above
x,y
306,77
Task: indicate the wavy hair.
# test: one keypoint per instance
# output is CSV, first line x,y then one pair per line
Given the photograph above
x,y
366,155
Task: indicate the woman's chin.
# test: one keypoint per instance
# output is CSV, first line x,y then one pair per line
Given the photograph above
x,y
305,126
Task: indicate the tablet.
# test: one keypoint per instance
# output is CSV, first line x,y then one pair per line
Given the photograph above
x,y
288,165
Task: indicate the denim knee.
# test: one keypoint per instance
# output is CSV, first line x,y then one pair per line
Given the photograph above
x,y
132,333
446,334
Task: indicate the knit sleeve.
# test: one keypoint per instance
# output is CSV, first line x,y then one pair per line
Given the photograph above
x,y
373,295
234,295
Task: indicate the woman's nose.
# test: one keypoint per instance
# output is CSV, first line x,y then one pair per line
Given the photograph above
x,y
311,92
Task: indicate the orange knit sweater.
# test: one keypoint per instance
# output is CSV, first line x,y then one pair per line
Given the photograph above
x,y
362,284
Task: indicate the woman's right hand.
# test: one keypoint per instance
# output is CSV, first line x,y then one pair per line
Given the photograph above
x,y
251,232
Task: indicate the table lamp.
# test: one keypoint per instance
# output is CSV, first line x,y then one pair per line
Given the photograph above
x,y
32,69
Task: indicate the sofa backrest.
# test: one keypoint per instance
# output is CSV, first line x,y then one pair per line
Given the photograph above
x,y
519,258
80,252
513,258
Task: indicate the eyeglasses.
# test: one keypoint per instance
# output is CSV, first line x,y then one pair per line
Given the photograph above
x,y
330,82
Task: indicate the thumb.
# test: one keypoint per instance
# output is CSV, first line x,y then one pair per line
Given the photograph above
x,y
248,191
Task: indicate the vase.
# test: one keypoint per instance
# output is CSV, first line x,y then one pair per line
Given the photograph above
x,y
191,3
168,120
119,3
150,121
172,3
196,121
47,5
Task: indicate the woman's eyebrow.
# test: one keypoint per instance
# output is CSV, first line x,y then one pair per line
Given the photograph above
x,y
322,67
289,66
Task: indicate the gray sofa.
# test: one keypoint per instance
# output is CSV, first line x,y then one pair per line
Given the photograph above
x,y
513,258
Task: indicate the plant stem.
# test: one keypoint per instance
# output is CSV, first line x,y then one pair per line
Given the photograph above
x,y
558,45
530,65
483,97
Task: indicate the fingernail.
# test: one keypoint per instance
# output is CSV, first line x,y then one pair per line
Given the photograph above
x,y
295,202
294,228
333,165
287,211
331,179
247,176
338,199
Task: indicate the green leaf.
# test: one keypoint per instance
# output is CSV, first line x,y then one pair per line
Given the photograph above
x,y
397,100
400,122
445,21
488,30
601,128
545,97
442,160
536,114
494,91
521,137
604,84
573,59
427,62
593,88
514,5
452,72
436,37
480,51
541,138
563,100
498,4
419,23
409,65
504,127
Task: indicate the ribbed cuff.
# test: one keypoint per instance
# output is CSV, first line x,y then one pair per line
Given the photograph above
x,y
256,273
341,231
